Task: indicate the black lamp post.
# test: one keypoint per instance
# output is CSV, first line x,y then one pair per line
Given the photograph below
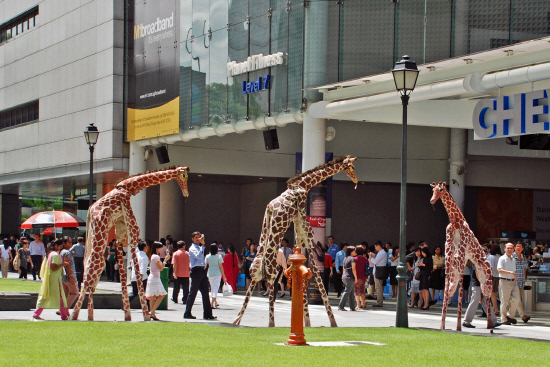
x,y
91,134
405,74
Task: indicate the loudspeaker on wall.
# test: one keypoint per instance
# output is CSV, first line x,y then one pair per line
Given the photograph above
x,y
162,154
271,140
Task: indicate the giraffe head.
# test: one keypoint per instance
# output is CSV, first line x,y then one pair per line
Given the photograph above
x,y
350,169
438,189
181,177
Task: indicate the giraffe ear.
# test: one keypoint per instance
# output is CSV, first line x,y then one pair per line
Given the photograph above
x,y
432,184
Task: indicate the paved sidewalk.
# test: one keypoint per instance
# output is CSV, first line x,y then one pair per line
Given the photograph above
x,y
256,315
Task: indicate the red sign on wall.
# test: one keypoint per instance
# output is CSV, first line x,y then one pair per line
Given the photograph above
x,y
317,221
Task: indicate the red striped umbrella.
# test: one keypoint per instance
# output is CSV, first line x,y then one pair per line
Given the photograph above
x,y
57,219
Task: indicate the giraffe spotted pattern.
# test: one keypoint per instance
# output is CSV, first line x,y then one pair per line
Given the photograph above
x,y
114,209
461,245
287,207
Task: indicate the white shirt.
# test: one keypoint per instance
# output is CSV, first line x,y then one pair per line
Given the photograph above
x,y
5,253
37,248
507,263
143,262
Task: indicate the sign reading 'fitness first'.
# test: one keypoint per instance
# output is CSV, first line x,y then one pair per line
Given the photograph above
x,y
253,63
520,114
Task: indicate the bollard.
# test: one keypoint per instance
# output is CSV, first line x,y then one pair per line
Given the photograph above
x,y
298,275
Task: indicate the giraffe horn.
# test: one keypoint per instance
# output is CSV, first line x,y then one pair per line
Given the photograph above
x,y
432,184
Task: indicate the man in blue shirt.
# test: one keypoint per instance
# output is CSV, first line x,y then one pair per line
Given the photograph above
x,y
199,280
339,265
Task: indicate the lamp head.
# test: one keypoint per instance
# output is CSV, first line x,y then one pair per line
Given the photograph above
x,y
405,74
91,134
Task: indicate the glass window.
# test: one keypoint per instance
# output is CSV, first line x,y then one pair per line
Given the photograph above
x,y
295,56
530,19
219,14
218,87
279,74
199,80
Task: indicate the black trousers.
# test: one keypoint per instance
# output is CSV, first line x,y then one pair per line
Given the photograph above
x,y
79,267
284,280
326,279
135,291
182,282
199,282
337,280
23,274
36,263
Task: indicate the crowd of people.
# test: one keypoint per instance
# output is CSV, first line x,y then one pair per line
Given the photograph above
x,y
355,273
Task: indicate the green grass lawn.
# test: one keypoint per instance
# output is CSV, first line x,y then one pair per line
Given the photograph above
x,y
179,344
19,285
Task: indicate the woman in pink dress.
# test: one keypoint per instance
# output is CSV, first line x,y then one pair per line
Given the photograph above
x,y
360,290
231,267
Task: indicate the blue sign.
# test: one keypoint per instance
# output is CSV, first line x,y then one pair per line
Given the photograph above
x,y
504,116
256,86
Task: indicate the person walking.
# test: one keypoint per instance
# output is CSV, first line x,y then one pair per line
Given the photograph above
x,y
437,278
5,258
199,280
494,254
360,266
25,260
426,267
477,296
508,286
180,264
248,258
339,267
394,261
349,277
143,263
521,274
70,285
51,294
78,250
282,257
114,274
38,251
231,267
155,289
414,283
215,273
379,263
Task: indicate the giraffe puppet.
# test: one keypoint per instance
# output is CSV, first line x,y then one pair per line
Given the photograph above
x,y
114,209
461,245
287,207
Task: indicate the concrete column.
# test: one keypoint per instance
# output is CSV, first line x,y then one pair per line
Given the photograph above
x,y
171,209
138,165
457,166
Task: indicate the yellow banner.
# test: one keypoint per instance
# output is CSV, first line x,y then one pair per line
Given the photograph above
x,y
158,121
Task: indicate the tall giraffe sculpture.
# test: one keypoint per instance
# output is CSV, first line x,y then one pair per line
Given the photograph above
x,y
461,245
287,207
111,210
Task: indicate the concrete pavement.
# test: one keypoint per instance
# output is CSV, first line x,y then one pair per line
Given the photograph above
x,y
256,315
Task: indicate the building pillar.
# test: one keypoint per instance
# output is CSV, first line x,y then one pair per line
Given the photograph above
x,y
171,209
138,165
457,166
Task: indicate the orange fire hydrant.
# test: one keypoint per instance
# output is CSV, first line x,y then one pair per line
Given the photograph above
x,y
298,276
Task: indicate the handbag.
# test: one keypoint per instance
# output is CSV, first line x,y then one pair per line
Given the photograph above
x,y
380,272
418,275
227,290
368,271
16,262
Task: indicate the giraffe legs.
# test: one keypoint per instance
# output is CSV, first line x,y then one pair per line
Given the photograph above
x,y
91,305
307,239
141,291
307,321
249,292
460,299
125,299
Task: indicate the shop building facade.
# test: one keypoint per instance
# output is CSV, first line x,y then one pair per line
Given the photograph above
x,y
233,69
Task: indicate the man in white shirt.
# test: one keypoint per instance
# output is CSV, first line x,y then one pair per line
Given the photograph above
x,y
380,261
38,251
5,258
508,287
143,263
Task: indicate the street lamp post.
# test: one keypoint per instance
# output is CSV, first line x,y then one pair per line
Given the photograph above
x,y
91,134
405,74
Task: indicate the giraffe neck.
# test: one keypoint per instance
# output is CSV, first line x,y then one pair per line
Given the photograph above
x,y
316,177
149,179
450,205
